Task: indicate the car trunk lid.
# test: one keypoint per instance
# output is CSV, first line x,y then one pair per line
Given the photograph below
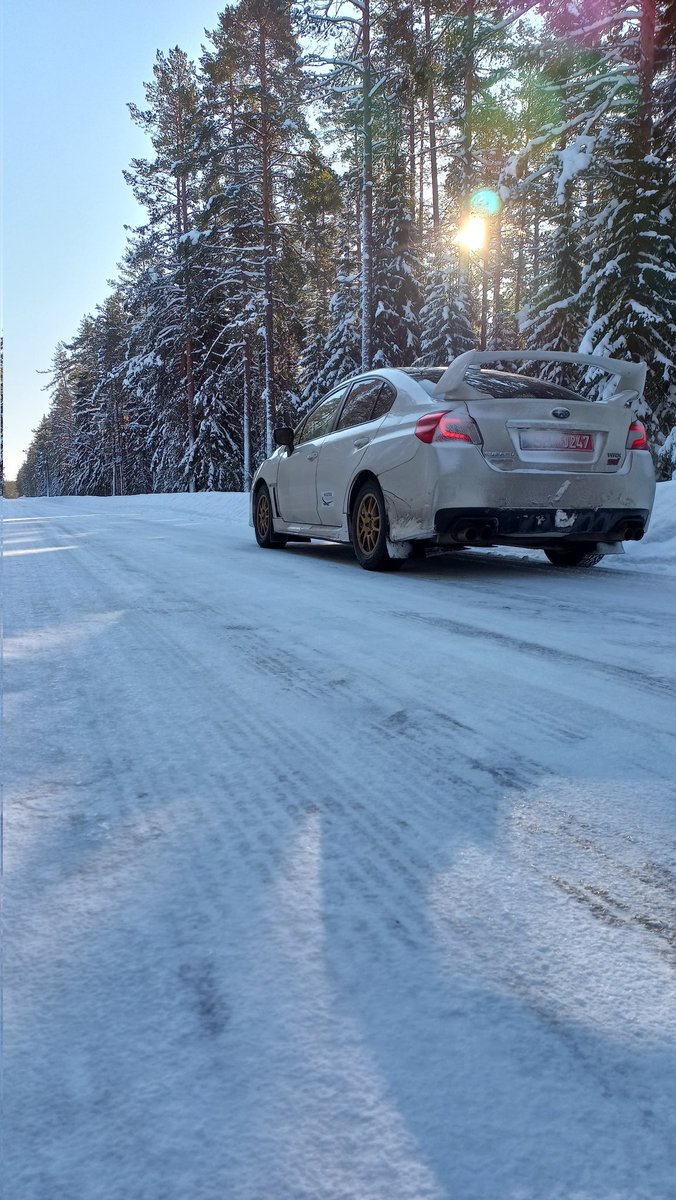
x,y
542,434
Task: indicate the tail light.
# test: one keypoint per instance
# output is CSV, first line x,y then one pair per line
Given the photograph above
x,y
447,427
637,438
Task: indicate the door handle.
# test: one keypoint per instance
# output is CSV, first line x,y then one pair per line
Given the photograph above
x,y
361,442
313,456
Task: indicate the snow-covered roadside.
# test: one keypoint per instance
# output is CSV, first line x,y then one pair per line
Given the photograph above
x,y
657,549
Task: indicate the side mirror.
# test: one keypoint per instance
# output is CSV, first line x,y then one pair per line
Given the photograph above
x,y
283,436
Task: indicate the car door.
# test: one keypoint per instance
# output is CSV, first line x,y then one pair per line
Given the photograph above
x,y
296,479
342,450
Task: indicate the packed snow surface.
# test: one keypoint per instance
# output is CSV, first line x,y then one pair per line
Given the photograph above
x,y
325,885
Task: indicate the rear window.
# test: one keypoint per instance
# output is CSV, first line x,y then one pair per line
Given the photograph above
x,y
504,385
501,385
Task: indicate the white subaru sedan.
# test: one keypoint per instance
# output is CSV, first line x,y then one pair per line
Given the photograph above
x,y
397,462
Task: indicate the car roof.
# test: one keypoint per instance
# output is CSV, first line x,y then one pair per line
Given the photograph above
x,y
399,377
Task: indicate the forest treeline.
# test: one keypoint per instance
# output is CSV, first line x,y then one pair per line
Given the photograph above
x,y
311,191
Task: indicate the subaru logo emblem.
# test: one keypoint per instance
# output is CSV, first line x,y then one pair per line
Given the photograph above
x,y
561,413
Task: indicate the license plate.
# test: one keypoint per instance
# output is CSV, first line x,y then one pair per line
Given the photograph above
x,y
553,439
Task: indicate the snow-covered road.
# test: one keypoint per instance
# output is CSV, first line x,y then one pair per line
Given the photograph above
x,y
328,885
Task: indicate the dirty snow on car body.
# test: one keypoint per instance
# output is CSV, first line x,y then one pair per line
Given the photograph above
x,y
328,885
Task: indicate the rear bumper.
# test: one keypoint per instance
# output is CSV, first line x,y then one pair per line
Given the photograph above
x,y
536,526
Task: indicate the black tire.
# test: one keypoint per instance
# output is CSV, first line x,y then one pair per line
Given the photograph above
x,y
575,555
369,530
262,518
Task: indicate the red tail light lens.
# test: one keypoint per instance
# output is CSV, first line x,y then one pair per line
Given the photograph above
x,y
637,438
445,426
426,427
459,429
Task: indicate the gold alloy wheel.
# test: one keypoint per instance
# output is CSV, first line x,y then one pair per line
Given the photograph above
x,y
368,524
263,515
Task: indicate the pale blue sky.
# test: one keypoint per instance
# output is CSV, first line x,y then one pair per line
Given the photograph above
x,y
69,68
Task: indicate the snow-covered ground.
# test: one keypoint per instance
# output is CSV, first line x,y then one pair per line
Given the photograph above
x,y
328,885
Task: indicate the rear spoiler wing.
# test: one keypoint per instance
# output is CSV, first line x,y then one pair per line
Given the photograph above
x,y
631,374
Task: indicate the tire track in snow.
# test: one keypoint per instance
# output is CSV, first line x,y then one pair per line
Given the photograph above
x,y
631,675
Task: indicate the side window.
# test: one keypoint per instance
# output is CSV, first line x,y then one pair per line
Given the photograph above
x,y
320,419
384,401
359,404
298,431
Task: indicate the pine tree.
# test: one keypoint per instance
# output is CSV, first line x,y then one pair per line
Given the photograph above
x,y
256,82
167,186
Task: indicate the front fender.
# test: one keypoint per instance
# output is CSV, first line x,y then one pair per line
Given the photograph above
x,y
268,472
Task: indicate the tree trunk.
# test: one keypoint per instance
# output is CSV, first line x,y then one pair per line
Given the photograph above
x,y
467,133
518,285
233,130
366,198
431,118
484,303
497,272
188,352
268,281
246,435
421,178
647,74
244,282
411,156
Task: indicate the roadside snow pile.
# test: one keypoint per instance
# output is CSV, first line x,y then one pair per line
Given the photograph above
x,y
223,506
229,506
658,547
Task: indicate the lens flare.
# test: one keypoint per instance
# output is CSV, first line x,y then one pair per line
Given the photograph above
x,y
485,202
472,234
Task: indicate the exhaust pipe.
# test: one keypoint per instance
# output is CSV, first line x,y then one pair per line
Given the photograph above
x,y
632,533
474,533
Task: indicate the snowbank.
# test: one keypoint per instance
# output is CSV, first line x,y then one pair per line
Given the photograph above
x,y
658,547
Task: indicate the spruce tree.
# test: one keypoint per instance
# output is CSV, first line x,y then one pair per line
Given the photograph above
x,y
555,319
396,325
445,329
629,281
342,348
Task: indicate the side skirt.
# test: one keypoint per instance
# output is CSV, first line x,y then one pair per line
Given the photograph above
x,y
324,533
